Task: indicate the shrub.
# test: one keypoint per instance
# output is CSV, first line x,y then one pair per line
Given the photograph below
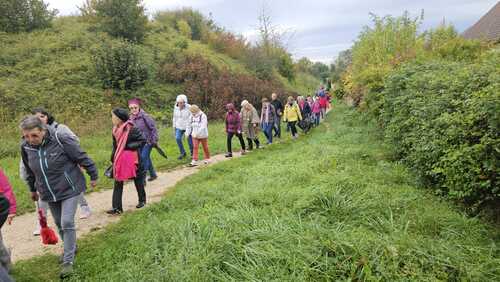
x,y
442,118
184,28
25,15
198,24
119,65
119,18
286,67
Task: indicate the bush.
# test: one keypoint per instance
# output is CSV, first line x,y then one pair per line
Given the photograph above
x,y
25,15
119,18
443,120
198,24
213,88
119,65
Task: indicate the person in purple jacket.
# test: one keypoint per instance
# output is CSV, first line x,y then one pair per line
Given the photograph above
x,y
233,127
147,126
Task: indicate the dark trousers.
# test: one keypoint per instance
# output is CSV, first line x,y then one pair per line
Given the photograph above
x,y
292,124
277,128
250,143
118,192
230,138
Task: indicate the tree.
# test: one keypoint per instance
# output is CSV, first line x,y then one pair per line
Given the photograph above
x,y
341,64
25,15
184,28
119,18
304,65
320,70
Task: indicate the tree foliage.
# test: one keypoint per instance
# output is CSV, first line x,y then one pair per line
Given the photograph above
x,y
25,15
119,18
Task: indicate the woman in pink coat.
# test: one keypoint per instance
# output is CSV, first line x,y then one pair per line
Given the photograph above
x,y
6,198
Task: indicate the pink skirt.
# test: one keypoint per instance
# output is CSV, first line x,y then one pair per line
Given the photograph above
x,y
125,167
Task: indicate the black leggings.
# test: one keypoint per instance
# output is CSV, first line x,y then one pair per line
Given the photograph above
x,y
292,124
230,138
118,192
250,144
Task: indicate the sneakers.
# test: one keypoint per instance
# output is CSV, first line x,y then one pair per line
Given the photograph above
x,y
207,161
182,156
229,155
152,178
37,230
140,205
114,212
66,270
85,212
193,163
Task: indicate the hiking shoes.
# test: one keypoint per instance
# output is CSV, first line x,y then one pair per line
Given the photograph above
x,y
140,205
229,155
114,212
152,178
66,270
85,212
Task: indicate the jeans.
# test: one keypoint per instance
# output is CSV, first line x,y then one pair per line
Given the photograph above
x,y
230,138
147,164
179,133
267,127
118,192
63,213
316,119
277,128
292,124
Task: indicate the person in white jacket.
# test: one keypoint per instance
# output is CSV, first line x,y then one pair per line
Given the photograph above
x,y
182,116
198,129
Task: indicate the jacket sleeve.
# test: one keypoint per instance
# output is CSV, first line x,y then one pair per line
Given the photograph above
x,y
239,122
298,112
150,123
285,114
77,155
174,117
204,122
189,126
114,149
6,189
135,139
30,176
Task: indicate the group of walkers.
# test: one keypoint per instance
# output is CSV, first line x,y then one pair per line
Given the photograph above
x,y
53,163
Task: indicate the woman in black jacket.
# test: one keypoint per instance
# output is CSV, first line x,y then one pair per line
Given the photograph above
x,y
127,143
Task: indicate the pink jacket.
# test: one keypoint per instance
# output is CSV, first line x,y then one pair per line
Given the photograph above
x,y
6,190
316,107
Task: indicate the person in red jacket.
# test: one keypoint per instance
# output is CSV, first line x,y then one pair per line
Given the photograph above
x,y
6,198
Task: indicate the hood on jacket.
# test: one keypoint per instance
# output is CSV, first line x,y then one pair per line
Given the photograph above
x,y
181,98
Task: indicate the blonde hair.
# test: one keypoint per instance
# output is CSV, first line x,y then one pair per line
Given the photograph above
x,y
194,109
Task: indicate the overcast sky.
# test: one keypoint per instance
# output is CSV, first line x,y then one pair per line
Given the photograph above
x,y
318,29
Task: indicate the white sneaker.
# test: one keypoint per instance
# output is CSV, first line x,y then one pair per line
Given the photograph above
x,y
36,232
193,163
207,161
85,212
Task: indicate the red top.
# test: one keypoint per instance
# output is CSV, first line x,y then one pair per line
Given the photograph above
x,y
6,190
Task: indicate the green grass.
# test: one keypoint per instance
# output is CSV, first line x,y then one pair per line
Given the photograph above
x,y
331,206
98,147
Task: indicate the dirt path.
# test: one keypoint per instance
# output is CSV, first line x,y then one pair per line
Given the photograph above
x,y
19,236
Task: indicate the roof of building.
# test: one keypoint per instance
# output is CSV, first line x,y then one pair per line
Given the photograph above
x,y
487,28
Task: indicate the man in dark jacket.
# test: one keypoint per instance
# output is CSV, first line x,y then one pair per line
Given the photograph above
x,y
53,162
278,106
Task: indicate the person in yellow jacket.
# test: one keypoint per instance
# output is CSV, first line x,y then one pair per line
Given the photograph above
x,y
291,115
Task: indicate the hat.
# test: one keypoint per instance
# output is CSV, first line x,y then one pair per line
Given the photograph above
x,y
181,98
135,101
121,114
194,109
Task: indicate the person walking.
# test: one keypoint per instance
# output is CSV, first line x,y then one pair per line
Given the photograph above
x,y
127,143
316,110
53,163
250,124
6,198
233,128
146,124
323,103
292,115
49,120
268,119
198,128
278,106
181,118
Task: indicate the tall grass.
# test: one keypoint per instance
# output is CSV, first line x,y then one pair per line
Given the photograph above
x,y
331,206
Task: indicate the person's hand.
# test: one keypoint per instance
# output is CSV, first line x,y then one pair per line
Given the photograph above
x,y
93,183
239,131
10,217
34,196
